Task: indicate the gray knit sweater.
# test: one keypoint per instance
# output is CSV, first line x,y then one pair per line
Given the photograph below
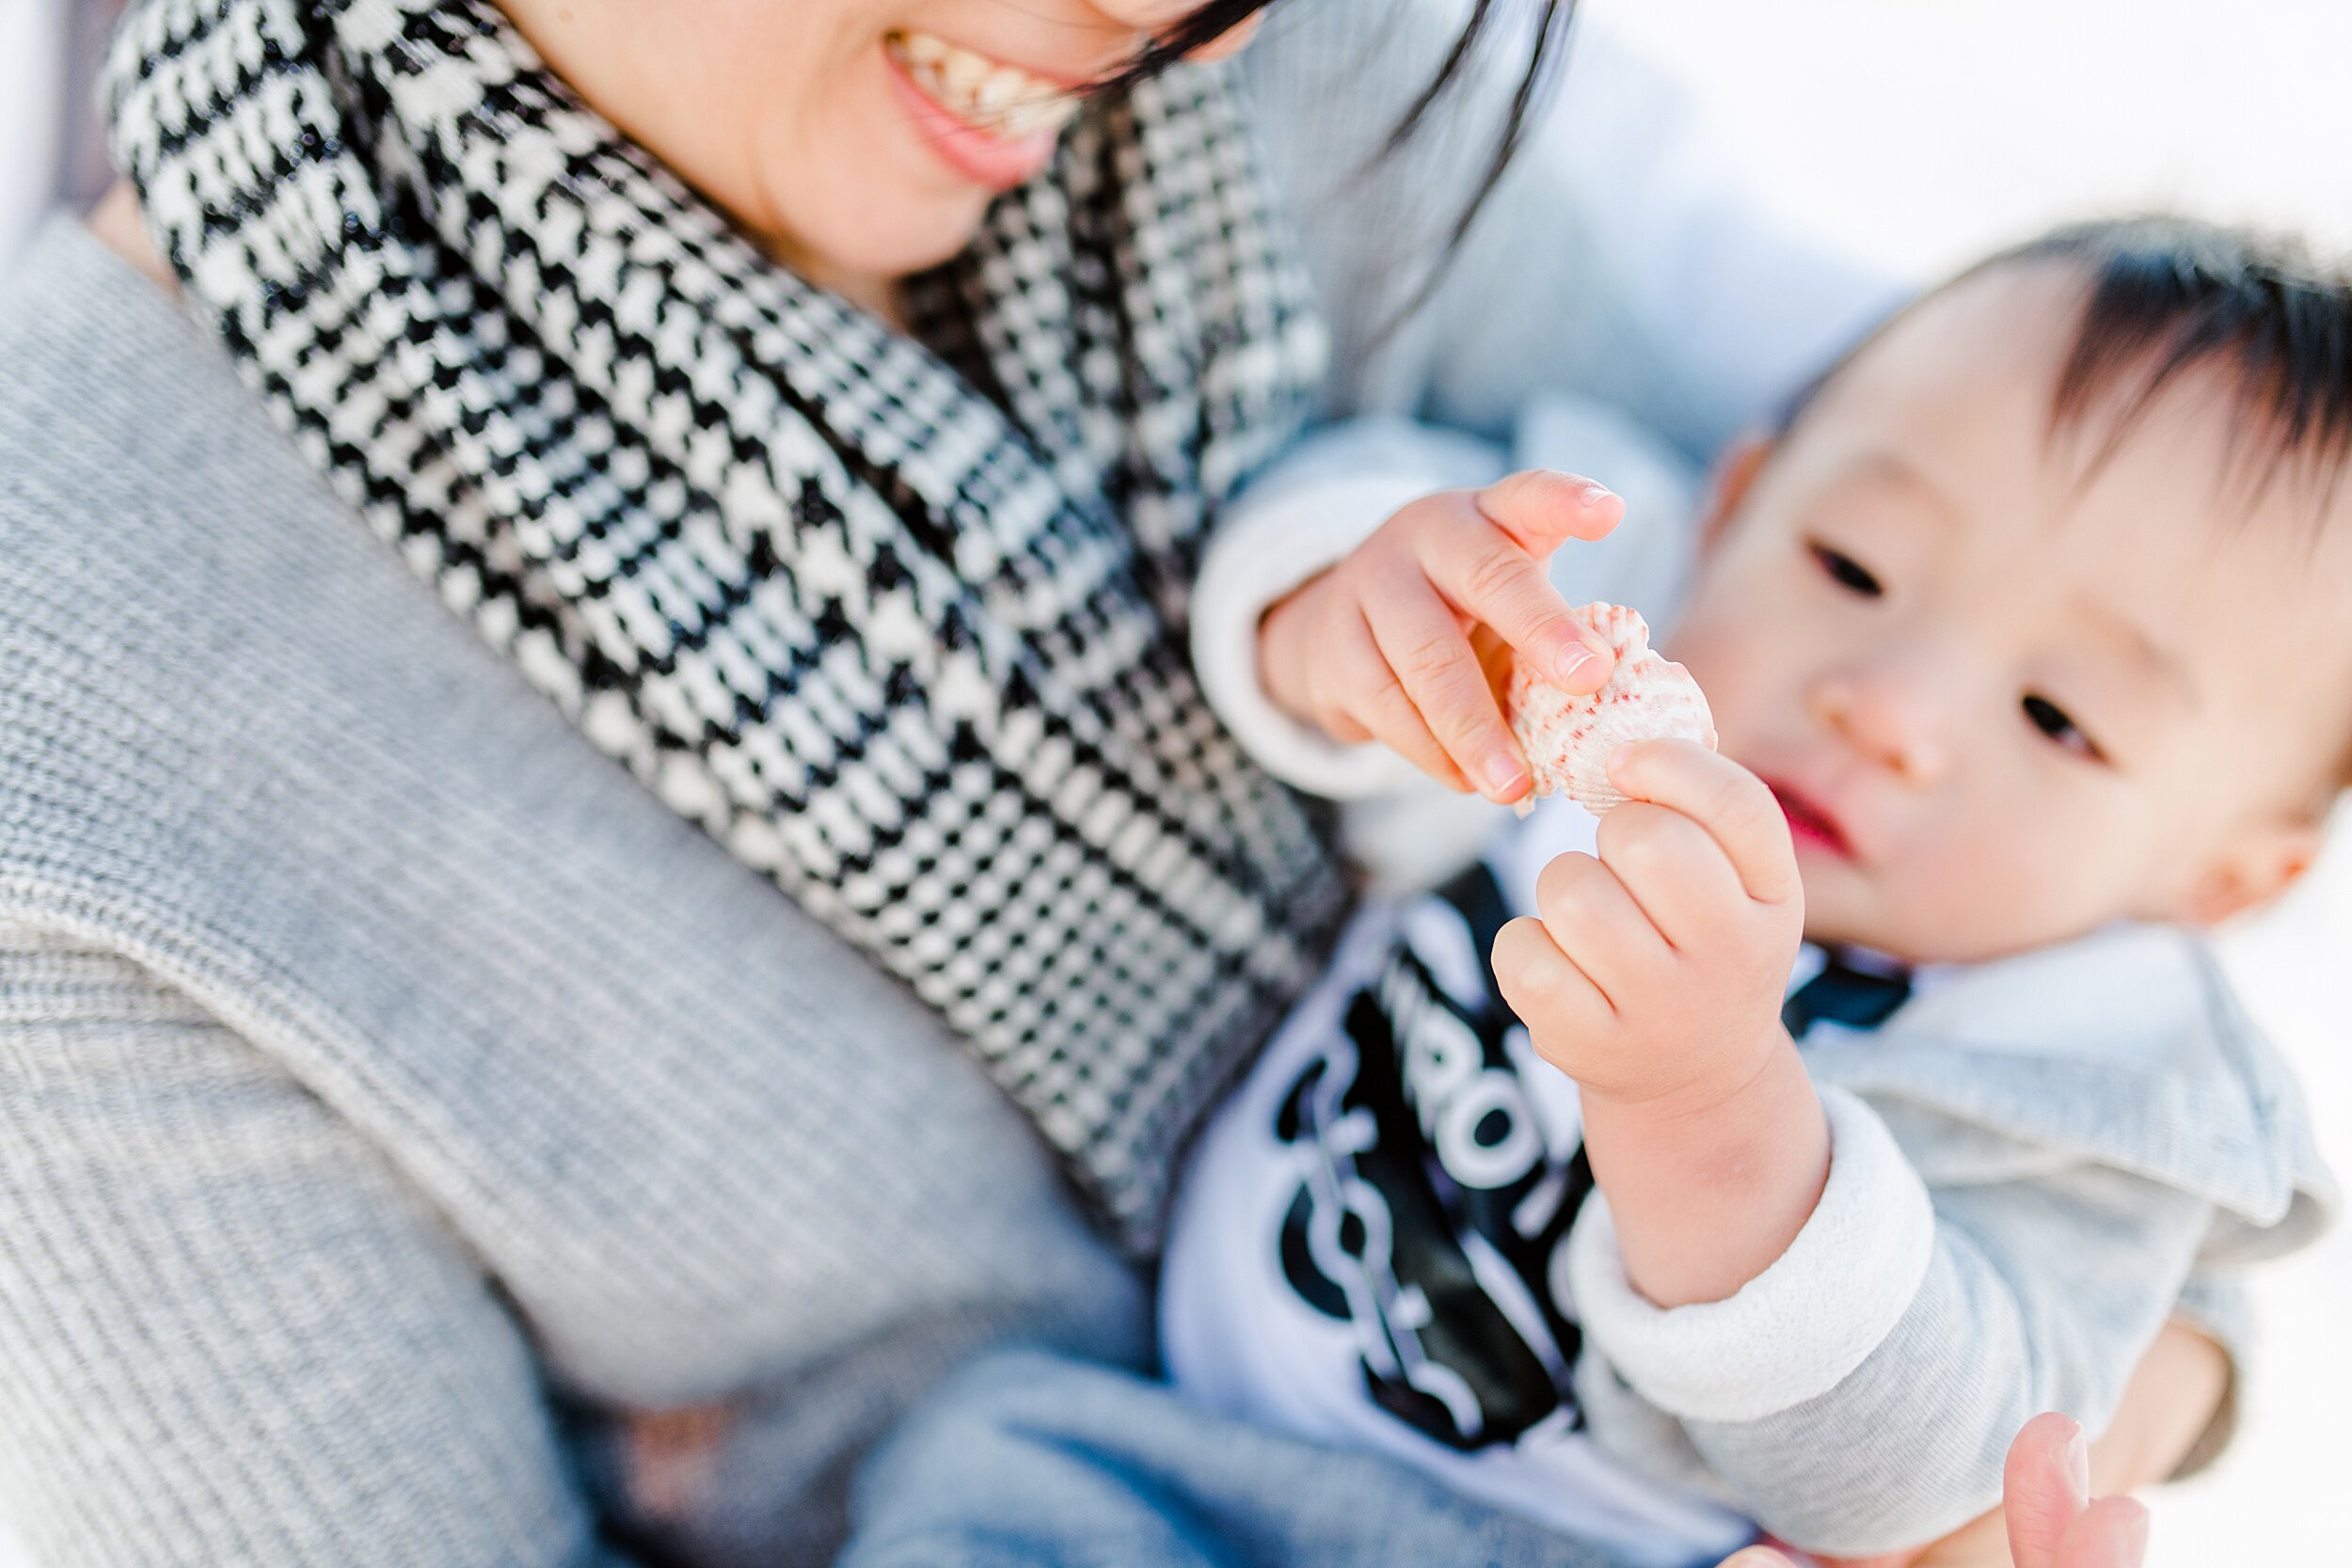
x,y
375,1058
391,1089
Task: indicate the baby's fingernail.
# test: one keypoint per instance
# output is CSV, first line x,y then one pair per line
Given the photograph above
x,y
1502,773
1572,657
1596,492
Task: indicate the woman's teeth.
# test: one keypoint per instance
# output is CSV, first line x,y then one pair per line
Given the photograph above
x,y
1002,100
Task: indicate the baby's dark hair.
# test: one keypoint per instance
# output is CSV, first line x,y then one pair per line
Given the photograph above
x,y
2170,296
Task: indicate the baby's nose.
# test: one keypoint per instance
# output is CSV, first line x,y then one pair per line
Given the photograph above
x,y
1897,720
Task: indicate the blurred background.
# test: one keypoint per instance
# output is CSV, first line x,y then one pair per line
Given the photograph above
x,y
1912,136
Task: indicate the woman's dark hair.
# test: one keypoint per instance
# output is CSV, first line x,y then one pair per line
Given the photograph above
x,y
1548,49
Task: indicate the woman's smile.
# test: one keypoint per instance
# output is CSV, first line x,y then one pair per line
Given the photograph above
x,y
992,122
858,141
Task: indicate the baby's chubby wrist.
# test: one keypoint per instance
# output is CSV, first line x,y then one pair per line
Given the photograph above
x,y
1712,1179
1698,1089
1652,974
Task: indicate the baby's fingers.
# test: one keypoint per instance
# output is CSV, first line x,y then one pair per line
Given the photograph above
x,y
1543,508
1380,708
1433,662
1543,985
1733,804
1671,865
1490,575
1596,922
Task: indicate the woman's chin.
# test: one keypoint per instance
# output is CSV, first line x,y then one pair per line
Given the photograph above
x,y
883,242
918,248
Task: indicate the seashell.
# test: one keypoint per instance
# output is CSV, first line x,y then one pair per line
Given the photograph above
x,y
1567,739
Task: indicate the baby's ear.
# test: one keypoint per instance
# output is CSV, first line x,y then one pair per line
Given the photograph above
x,y
1728,485
2248,869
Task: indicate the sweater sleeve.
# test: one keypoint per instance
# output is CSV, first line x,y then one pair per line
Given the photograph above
x,y
1859,1394
1320,503
229,1332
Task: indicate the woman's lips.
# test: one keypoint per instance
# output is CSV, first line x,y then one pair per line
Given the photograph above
x,y
1810,827
999,154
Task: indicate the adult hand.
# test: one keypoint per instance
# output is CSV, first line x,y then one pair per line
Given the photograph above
x,y
1380,648
2045,1498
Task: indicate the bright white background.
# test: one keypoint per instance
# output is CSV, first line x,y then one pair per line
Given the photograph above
x,y
1916,133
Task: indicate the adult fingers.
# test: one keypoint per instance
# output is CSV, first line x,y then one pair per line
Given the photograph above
x,y
1731,804
1489,576
1593,919
2112,1533
1673,869
1543,508
1426,651
2045,1485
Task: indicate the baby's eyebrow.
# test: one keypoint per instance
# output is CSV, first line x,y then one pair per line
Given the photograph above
x,y
2140,647
1893,468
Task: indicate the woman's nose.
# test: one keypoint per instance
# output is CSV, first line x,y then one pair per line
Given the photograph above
x,y
1895,719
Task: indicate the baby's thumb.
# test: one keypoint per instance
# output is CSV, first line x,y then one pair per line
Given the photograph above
x,y
1542,509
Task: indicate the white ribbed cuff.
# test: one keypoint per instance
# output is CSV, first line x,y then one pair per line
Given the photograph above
x,y
1802,1327
1269,544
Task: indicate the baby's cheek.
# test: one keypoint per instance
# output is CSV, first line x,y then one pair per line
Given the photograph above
x,y
2013,883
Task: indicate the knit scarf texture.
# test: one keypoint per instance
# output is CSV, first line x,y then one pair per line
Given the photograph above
x,y
897,617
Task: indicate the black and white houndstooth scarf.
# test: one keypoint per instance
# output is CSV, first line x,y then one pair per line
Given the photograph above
x,y
901,625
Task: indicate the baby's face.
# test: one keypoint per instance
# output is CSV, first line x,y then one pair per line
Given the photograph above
x,y
2007,696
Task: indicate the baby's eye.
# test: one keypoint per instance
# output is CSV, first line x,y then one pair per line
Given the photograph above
x,y
1846,571
2052,720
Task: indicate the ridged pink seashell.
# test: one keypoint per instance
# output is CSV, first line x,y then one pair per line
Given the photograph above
x,y
1567,740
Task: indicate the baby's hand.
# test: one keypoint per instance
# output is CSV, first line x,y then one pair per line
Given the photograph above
x,y
1655,972
1380,646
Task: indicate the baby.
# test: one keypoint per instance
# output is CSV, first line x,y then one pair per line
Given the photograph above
x,y
1861,1089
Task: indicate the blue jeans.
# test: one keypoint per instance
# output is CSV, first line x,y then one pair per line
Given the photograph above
x,y
1031,1460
